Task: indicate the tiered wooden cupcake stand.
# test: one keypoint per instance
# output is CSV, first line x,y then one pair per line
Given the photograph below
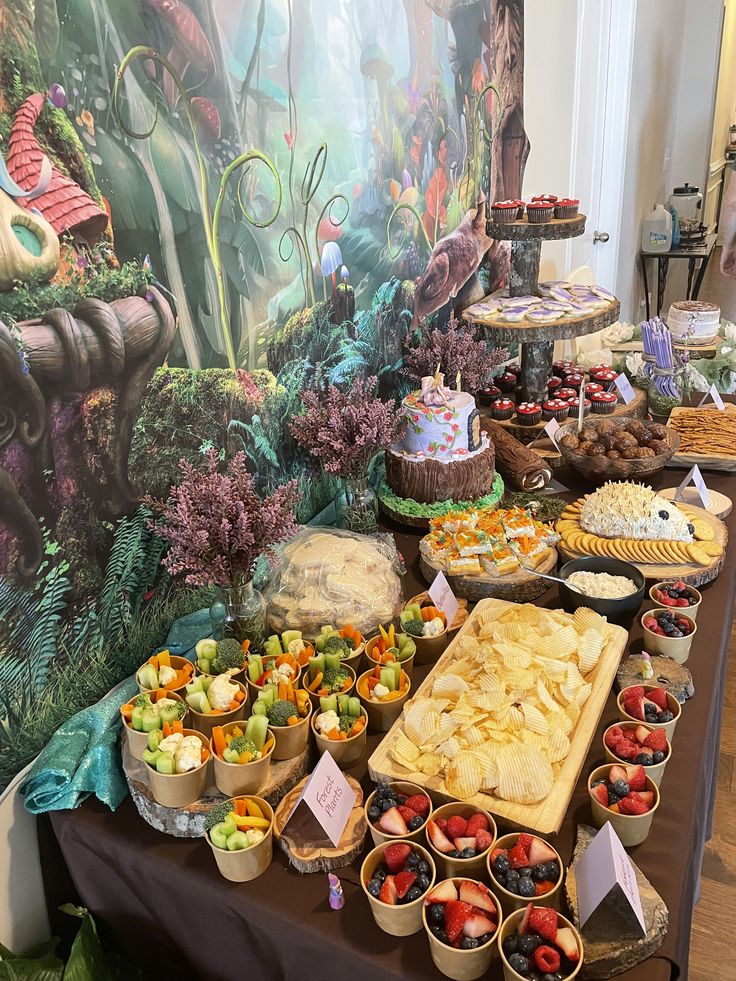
x,y
537,340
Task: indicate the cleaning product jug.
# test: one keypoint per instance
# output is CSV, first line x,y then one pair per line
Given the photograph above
x,y
656,230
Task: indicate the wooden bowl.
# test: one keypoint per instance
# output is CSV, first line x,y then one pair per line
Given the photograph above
x,y
246,863
463,965
600,468
405,919
655,772
345,752
235,779
672,704
137,739
180,789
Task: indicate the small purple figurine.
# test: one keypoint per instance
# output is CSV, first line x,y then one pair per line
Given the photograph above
x,y
337,896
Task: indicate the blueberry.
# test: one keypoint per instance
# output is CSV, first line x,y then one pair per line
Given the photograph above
x,y
691,528
415,823
467,853
549,977
620,788
596,783
374,887
414,893
528,944
380,873
657,756
412,861
454,853
484,939
642,759
539,872
422,882
423,867
675,632
526,887
501,879
400,801
519,963
382,790
553,868
510,945
374,812
525,870
436,914
501,864
440,934
387,803
666,716
469,943
612,797
664,515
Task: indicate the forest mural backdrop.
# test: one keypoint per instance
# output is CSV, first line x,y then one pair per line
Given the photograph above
x,y
207,206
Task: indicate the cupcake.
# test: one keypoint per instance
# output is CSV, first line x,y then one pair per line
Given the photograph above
x,y
591,388
572,369
539,212
603,403
600,367
502,409
566,208
553,384
558,368
514,369
506,382
555,409
573,381
574,406
545,199
607,379
566,394
528,413
488,395
504,211
520,209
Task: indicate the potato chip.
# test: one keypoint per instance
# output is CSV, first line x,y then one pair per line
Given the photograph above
x,y
558,745
583,694
451,748
534,720
428,726
451,685
464,776
430,764
514,655
587,619
555,670
590,647
561,644
473,737
524,774
545,697
405,747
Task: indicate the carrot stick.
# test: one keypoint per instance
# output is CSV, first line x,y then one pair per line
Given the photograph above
x,y
334,735
240,808
314,685
127,711
293,720
238,696
282,691
205,754
177,726
246,646
164,659
218,738
267,745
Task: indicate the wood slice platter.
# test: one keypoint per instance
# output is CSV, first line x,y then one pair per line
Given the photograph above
x,y
546,816
676,678
188,822
718,504
518,587
706,461
526,231
309,855
527,331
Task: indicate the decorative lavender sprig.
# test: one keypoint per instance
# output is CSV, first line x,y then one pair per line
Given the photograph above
x,y
658,356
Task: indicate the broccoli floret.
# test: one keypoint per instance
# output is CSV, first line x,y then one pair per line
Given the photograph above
x,y
346,723
334,679
413,627
143,700
242,745
280,712
217,814
337,645
229,655
181,709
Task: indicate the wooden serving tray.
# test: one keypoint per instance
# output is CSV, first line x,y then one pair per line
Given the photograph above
x,y
519,587
706,461
544,817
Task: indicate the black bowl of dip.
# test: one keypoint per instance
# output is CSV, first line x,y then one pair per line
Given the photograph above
x,y
621,609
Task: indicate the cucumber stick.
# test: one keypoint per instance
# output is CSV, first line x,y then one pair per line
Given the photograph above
x,y
257,730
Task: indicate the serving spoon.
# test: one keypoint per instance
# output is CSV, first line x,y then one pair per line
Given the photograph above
x,y
543,575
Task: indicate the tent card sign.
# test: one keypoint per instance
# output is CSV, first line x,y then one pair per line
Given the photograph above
x,y
714,394
696,477
623,384
605,877
443,597
325,802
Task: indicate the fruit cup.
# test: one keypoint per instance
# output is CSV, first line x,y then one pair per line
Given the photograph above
x,y
691,610
672,705
655,771
313,677
447,866
543,853
454,962
377,648
241,778
345,752
510,927
396,920
632,829
404,789
382,713
245,864
180,789
676,648
149,672
138,739
206,722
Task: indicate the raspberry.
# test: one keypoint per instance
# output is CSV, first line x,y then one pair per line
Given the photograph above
x,y
630,804
476,823
456,827
657,740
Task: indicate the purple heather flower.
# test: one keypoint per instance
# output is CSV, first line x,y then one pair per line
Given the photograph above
x,y
454,350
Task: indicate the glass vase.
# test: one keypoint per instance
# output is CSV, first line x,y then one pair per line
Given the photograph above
x,y
356,506
240,612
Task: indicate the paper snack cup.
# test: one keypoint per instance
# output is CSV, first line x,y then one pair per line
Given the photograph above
x,y
429,650
247,863
236,779
632,829
691,611
382,715
206,723
177,663
138,741
463,965
404,919
314,696
509,900
672,704
353,661
465,868
291,741
345,752
180,789
407,664
254,689
655,772
677,648
406,789
511,924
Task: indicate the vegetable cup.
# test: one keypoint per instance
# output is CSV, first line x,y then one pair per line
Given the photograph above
x,y
327,674
266,669
655,771
398,921
632,829
206,690
239,774
289,642
345,752
243,861
385,709
348,642
511,900
447,866
180,789
405,789
429,647
288,710
511,925
165,670
672,704
139,723
453,962
215,657
389,647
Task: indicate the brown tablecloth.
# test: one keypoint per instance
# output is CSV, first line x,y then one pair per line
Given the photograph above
x,y
162,901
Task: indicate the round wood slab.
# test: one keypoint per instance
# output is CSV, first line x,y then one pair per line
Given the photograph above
x,y
188,822
526,231
675,677
526,331
519,587
319,856
718,504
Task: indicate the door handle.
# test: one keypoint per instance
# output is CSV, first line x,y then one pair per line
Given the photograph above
x,y
601,236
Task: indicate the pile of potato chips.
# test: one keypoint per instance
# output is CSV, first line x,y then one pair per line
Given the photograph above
x,y
502,710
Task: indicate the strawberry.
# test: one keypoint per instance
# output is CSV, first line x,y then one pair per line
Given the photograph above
x,y
657,740
518,857
658,696
612,737
601,794
456,826
456,913
418,803
525,841
616,773
388,892
636,778
641,733
441,824
635,707
461,843
568,944
406,813
440,841
543,920
392,823
645,751
496,852
540,851
477,895
477,822
524,922
635,691
631,804
396,855
443,893
478,924
646,796
547,959
540,888
483,840
403,882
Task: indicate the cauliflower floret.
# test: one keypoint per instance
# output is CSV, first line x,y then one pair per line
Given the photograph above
x,y
221,692
283,674
162,703
254,835
296,647
188,756
170,744
326,722
433,627
165,675
380,691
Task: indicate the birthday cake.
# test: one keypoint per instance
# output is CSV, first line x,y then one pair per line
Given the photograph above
x,y
442,454
694,321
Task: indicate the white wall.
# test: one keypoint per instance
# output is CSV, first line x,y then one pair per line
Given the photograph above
x,y
725,112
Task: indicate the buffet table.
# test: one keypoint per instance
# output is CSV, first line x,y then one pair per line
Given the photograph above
x,y
163,903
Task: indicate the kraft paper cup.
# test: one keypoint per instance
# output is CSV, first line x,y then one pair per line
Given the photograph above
x,y
511,924
655,772
407,664
247,863
429,650
510,901
237,779
672,704
180,789
254,689
632,829
463,965
691,611
138,741
406,789
177,663
406,918
355,658
345,752
291,741
382,715
314,696
465,868
206,723
676,648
